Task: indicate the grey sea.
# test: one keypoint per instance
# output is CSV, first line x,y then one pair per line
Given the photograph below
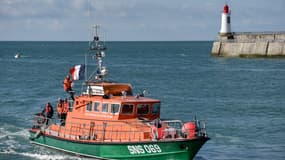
x,y
241,99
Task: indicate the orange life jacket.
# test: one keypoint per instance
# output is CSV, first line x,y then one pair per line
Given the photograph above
x,y
65,107
66,84
59,108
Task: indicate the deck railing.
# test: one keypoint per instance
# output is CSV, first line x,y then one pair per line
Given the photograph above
x,y
121,132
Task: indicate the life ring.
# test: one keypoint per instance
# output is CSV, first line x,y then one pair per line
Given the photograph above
x,y
41,119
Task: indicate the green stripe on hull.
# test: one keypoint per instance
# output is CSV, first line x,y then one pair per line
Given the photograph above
x,y
178,150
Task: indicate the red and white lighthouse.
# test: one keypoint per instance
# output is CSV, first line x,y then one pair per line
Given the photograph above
x,y
226,21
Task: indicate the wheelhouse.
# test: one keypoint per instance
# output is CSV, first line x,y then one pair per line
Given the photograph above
x,y
115,102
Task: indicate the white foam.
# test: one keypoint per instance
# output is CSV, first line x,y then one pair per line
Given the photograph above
x,y
11,141
39,156
8,140
230,139
7,134
45,156
183,55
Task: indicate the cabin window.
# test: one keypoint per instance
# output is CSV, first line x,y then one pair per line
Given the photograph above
x,y
96,106
155,108
105,107
115,108
89,106
142,109
127,109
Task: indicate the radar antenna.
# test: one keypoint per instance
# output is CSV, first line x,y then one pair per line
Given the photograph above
x,y
99,48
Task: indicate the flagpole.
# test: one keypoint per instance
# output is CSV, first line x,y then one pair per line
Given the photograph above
x,y
85,76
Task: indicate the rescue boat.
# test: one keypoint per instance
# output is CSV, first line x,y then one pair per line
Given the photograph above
x,y
107,121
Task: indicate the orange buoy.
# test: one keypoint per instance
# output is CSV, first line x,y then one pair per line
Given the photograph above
x,y
190,129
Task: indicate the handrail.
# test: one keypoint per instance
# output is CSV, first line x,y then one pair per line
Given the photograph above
x,y
133,131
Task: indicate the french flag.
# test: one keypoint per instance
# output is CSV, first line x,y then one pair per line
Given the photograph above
x,y
77,72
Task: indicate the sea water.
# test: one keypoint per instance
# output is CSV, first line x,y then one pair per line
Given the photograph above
x,y
241,99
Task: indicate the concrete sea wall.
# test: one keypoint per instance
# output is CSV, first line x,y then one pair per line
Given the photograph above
x,y
250,44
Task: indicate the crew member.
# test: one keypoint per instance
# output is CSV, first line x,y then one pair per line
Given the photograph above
x,y
67,86
48,111
59,108
65,108
157,130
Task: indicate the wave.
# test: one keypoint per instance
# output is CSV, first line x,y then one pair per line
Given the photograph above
x,y
21,132
15,141
50,157
39,156
229,139
183,55
13,138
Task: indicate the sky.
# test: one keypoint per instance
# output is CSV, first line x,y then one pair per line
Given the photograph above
x,y
134,20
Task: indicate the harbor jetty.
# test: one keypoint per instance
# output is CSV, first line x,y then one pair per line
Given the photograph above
x,y
247,44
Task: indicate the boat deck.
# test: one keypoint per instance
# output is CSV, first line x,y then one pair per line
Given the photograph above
x,y
122,131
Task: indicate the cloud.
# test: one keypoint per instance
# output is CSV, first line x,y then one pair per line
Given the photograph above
x,y
133,19
21,9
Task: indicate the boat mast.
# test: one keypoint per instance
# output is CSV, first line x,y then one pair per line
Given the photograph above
x,y
99,48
